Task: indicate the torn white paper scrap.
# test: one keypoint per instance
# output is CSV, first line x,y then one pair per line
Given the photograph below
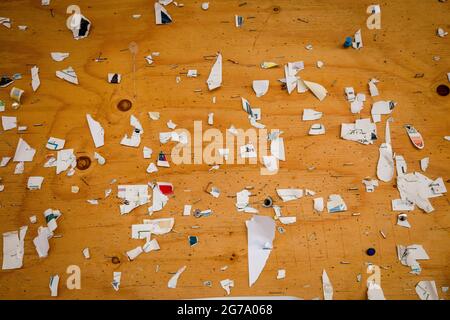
x,y
35,183
9,123
151,168
289,194
370,184
400,164
116,280
147,152
402,220
311,114
385,166
160,199
357,40
350,94
327,287
55,143
318,204
20,167
13,248
441,32
154,115
53,285
316,129
97,131
35,82
114,78
59,56
77,23
134,253
426,290
277,148
409,255
41,241
318,90
402,205
171,125
227,284
373,87
24,152
260,87
287,220
4,161
100,159
424,163
362,131
68,74
133,196
192,73
271,163
187,210
161,15
374,290
380,108
64,159
172,284
135,138
151,245
281,274
215,76
336,204
260,235
211,118
86,253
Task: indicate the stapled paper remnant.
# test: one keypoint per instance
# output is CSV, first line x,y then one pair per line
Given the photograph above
x,y
441,32
133,196
161,190
409,255
426,290
327,287
318,90
114,78
59,56
336,204
172,284
64,159
215,76
281,274
161,15
260,235
13,248
97,131
68,74
101,160
402,220
135,139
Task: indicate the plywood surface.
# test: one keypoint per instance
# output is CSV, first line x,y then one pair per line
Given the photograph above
x,y
272,31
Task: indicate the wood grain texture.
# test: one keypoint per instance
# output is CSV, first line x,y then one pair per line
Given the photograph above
x,y
403,47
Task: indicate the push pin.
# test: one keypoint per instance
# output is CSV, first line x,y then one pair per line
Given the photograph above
x,y
348,42
268,202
